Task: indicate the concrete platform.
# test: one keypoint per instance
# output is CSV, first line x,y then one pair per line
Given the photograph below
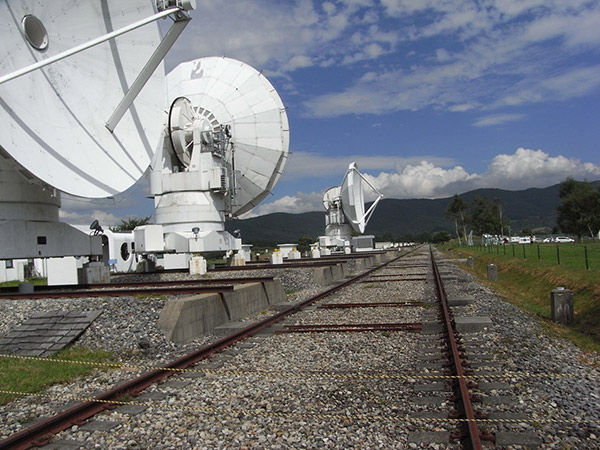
x,y
428,437
472,324
44,334
324,276
460,301
185,319
504,438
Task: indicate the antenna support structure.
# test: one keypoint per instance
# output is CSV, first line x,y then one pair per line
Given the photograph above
x,y
65,85
346,213
225,144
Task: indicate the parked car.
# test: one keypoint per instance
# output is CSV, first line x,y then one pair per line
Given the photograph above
x,y
563,239
546,240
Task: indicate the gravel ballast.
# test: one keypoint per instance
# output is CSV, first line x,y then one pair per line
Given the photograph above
x,y
261,397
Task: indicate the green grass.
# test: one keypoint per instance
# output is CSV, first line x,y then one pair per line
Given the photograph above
x,y
570,255
15,283
527,283
34,375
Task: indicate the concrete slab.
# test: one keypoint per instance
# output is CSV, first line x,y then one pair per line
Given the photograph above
x,y
175,384
63,444
183,320
431,328
478,365
131,410
435,400
504,438
155,395
99,425
499,415
44,334
430,414
428,437
472,324
430,387
493,386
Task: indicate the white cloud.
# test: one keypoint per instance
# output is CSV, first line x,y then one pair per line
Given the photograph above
x,y
105,218
571,83
523,169
499,53
496,119
304,164
281,37
299,203
422,180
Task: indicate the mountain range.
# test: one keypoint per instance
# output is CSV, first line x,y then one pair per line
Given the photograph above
x,y
405,218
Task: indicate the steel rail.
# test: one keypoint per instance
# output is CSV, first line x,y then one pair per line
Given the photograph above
x,y
173,290
131,284
349,327
464,401
369,305
390,280
39,433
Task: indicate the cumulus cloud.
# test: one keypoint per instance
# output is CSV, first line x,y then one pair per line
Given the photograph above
x,y
525,168
299,203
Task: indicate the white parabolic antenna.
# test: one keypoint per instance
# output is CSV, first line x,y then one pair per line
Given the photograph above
x,y
346,202
228,95
53,120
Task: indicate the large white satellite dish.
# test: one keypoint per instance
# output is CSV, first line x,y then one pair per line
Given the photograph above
x,y
82,95
226,92
226,143
345,207
59,122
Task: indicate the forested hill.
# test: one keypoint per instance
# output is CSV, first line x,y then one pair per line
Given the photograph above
x,y
530,208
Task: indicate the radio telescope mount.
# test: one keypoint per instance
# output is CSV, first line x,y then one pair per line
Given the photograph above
x,y
82,89
224,148
345,207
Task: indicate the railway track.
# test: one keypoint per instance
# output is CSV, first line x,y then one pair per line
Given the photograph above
x,y
381,348
121,289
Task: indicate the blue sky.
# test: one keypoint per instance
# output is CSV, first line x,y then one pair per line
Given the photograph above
x,y
430,97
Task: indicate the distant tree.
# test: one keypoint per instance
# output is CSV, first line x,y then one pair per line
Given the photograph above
x,y
526,232
579,210
440,237
304,242
387,237
130,223
456,211
486,216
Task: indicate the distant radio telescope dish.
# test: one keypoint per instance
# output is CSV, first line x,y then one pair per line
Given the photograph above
x,y
53,120
228,95
353,200
331,196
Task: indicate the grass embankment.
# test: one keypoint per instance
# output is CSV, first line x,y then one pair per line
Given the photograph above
x,y
527,283
24,375
34,281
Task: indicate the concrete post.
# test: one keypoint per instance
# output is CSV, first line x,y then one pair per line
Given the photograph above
x,y
470,262
492,272
561,305
25,288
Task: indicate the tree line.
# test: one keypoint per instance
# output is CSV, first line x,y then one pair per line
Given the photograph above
x,y
578,212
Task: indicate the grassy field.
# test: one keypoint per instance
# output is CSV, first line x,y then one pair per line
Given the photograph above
x,y
569,255
32,376
527,283
15,283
